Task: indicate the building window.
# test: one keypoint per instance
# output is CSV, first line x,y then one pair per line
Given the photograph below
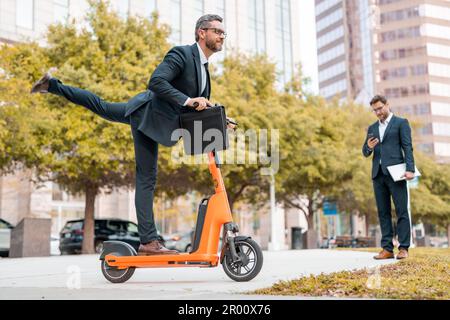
x,y
122,7
220,8
257,25
440,109
435,31
329,37
149,7
333,89
199,7
61,10
399,15
438,50
401,92
325,5
284,39
401,53
425,147
331,54
425,130
175,21
442,149
412,32
441,129
25,14
332,71
329,20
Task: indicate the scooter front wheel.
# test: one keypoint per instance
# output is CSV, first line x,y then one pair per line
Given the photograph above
x,y
249,264
118,249
116,275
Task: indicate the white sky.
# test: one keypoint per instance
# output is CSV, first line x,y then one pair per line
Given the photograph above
x,y
308,53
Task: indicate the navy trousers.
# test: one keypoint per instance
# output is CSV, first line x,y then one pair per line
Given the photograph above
x,y
385,187
145,148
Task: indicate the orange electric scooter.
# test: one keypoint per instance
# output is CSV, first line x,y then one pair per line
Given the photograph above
x,y
240,256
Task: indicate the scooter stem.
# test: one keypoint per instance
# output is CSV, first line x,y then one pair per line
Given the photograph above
x,y
214,169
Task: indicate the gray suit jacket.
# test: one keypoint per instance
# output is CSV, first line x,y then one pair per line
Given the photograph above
x,y
156,112
396,146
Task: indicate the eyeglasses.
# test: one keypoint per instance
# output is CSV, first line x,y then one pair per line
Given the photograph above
x,y
378,109
219,32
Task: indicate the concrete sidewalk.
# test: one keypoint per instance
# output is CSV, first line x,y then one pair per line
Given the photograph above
x,y
59,277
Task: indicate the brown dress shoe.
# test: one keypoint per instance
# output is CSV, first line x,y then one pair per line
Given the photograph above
x,y
41,86
402,254
384,254
154,247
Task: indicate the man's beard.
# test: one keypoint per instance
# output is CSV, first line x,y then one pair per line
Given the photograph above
x,y
212,45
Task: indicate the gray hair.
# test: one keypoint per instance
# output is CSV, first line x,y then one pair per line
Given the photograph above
x,y
203,22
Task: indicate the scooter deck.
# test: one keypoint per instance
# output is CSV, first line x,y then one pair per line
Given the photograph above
x,y
163,260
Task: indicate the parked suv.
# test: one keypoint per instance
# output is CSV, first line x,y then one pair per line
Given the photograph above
x,y
71,236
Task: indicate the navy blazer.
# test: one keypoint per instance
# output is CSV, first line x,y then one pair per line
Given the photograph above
x,y
156,112
396,146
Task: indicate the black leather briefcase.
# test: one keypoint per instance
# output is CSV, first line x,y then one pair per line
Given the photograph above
x,y
204,131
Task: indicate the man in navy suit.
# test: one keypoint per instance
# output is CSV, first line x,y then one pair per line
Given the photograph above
x,y
389,140
181,83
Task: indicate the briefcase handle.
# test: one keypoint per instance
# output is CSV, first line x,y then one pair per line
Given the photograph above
x,y
229,121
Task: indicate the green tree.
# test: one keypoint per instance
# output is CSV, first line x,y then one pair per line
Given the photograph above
x,y
430,202
70,145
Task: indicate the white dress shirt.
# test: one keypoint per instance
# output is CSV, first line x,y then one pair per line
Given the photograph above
x,y
382,126
203,60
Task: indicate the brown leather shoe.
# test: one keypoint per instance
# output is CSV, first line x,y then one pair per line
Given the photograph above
x,y
402,254
41,86
384,254
154,247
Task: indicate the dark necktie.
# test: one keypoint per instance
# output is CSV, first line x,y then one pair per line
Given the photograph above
x,y
206,92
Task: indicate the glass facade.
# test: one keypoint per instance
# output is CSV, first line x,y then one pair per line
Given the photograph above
x,y
331,54
149,7
366,48
257,25
332,71
398,34
329,19
61,10
284,39
198,6
175,22
330,37
401,53
25,13
122,7
399,15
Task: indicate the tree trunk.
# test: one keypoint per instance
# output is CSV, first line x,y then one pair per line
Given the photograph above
x,y
448,233
311,236
366,218
89,221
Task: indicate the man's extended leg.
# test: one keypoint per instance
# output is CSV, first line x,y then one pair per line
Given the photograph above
x,y
109,111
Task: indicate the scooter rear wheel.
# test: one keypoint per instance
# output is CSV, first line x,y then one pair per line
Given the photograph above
x,y
251,262
114,274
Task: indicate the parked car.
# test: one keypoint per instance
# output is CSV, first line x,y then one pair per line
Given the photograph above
x,y
54,245
5,236
180,241
71,236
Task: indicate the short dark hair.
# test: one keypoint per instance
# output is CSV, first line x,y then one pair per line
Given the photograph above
x,y
203,22
378,98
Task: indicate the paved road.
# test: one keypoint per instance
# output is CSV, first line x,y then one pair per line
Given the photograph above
x,y
79,277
